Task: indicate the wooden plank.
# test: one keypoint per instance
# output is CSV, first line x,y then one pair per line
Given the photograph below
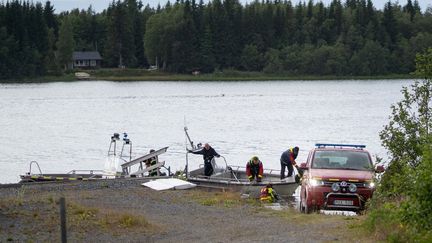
x,y
157,165
143,158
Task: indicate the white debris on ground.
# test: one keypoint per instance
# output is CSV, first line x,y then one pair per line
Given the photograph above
x,y
166,184
275,206
336,212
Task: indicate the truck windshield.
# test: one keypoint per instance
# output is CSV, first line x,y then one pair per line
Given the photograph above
x,y
350,160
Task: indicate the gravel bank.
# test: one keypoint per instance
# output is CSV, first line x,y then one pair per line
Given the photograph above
x,y
30,214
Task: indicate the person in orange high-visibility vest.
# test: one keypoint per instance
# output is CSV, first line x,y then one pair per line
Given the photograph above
x,y
254,169
268,194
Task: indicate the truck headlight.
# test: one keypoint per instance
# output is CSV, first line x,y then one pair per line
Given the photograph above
x,y
352,187
370,184
335,187
316,182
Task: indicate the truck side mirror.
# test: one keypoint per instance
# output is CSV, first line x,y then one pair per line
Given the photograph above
x,y
379,169
303,166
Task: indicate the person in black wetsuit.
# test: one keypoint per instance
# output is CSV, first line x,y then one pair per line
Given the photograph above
x,y
208,154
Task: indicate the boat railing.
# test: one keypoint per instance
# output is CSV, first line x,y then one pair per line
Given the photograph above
x,y
30,170
238,168
91,172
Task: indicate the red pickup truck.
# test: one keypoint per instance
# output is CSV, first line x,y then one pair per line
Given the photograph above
x,y
337,176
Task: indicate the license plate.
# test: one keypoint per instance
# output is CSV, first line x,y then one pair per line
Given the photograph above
x,y
343,202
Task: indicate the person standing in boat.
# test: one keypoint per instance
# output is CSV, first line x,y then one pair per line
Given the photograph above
x,y
208,155
254,169
288,160
150,162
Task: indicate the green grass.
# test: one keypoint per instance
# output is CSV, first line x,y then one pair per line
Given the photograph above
x,y
226,199
226,75
387,223
44,207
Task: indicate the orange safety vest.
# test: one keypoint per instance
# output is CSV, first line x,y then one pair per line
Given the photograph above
x,y
267,195
291,156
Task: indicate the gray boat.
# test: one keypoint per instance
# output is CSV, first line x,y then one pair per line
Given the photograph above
x,y
231,177
234,178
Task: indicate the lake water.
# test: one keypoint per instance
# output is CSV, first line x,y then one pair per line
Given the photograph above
x,y
67,125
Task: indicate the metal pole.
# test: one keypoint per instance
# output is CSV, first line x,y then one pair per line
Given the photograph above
x,y
63,219
130,151
115,144
187,166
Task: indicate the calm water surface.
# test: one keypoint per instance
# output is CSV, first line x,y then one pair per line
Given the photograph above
x,y
67,126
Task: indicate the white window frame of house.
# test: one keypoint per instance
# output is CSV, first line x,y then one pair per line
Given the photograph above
x,y
80,63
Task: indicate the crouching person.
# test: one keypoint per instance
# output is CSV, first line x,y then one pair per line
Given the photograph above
x,y
254,169
268,194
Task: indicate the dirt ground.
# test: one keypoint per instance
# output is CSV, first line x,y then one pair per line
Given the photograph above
x,y
129,212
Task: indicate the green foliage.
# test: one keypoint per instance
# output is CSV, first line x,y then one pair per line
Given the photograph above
x,y
158,38
409,218
418,209
65,44
251,59
386,217
342,38
410,124
401,209
424,69
51,62
273,62
120,49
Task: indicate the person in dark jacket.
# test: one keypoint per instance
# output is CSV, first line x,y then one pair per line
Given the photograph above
x,y
254,169
208,154
288,160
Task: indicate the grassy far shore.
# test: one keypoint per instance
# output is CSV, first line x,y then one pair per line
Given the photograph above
x,y
226,75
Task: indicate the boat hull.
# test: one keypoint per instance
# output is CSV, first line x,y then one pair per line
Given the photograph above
x,y
235,179
59,177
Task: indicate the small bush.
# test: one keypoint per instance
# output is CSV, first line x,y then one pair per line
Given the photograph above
x,y
83,213
209,201
125,220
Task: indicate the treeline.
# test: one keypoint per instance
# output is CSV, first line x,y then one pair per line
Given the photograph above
x,y
350,38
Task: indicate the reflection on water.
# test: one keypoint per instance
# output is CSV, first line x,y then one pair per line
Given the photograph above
x,y
67,126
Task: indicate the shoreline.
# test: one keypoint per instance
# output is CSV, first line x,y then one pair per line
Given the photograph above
x,y
137,75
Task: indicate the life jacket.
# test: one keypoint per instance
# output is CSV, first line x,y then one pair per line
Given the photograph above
x,y
291,156
267,194
153,172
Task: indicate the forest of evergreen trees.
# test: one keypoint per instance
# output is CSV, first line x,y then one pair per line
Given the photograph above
x,y
343,38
